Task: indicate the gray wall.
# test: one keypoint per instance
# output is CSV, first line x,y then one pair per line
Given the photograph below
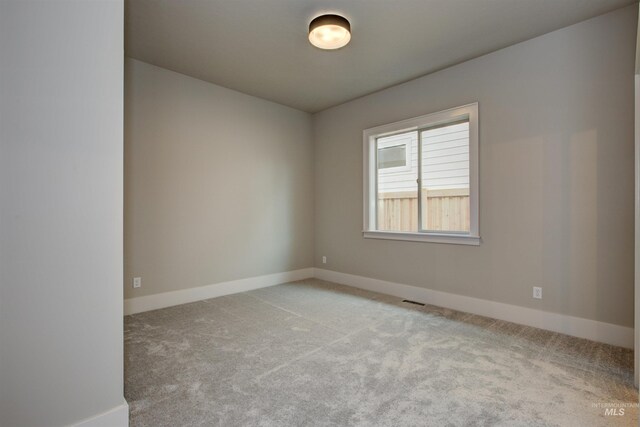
x,y
556,175
60,210
219,185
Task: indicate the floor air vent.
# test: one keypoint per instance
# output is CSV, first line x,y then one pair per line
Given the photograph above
x,y
413,302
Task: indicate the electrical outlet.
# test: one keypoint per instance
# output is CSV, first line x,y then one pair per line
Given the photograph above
x,y
137,282
324,259
537,292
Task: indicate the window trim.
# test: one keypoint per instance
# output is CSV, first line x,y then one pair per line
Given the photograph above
x,y
369,137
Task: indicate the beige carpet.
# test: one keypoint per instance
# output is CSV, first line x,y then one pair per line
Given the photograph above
x,y
316,353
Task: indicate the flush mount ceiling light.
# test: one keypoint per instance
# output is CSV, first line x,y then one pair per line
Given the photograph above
x,y
329,32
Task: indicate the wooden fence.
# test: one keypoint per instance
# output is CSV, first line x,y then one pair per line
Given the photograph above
x,y
443,210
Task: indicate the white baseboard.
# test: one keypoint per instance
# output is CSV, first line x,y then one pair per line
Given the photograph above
x,y
576,326
114,417
168,299
583,328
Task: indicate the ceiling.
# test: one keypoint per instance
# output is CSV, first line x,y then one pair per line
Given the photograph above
x,y
260,47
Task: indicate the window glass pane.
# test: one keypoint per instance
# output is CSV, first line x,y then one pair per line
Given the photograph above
x,y
392,157
397,175
445,178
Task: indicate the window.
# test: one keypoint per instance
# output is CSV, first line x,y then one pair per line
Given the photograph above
x,y
391,157
394,153
421,178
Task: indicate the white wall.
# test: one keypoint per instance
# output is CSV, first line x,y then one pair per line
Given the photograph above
x,y
218,184
637,229
61,212
637,209
556,175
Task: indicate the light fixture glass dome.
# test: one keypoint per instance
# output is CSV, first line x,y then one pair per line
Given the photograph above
x,y
329,32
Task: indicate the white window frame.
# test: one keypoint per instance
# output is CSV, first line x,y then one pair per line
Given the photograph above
x,y
469,112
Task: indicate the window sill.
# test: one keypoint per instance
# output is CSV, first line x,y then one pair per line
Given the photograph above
x,y
455,239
